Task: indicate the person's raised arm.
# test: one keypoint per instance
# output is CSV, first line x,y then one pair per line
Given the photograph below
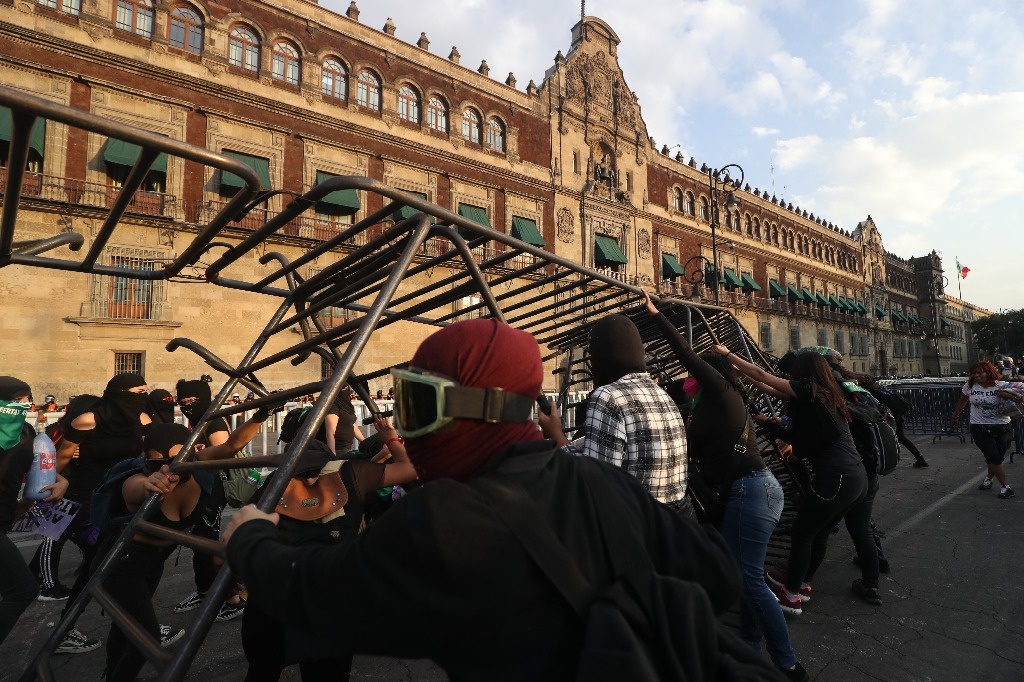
x,y
778,386
400,470
236,440
700,370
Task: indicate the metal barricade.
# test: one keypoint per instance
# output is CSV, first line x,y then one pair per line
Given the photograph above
x,y
932,404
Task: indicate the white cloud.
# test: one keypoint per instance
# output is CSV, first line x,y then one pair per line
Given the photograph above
x,y
761,131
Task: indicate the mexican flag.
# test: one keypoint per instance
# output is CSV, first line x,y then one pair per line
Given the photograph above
x,y
961,270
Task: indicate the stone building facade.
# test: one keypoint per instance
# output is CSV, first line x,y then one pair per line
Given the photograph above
x,y
300,94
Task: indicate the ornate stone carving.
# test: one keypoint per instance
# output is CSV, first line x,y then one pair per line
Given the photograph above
x,y
566,227
643,245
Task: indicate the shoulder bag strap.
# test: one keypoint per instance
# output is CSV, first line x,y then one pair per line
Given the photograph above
x,y
520,513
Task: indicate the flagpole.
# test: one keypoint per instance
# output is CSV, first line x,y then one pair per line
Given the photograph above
x,y
959,291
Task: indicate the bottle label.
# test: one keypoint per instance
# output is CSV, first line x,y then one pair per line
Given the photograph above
x,y
47,460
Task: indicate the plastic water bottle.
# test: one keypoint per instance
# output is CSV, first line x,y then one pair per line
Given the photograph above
x,y
43,471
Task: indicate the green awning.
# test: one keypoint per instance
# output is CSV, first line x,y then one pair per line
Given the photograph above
x,y
340,201
861,308
259,166
898,316
407,212
606,250
793,294
946,322
775,290
820,299
880,311
38,140
121,153
670,267
730,279
475,213
525,230
749,284
833,302
807,295
843,304
913,319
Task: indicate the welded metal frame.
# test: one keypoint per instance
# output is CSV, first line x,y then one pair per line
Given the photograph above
x,y
553,298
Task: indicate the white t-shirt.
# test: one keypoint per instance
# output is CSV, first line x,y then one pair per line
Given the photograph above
x,y
985,404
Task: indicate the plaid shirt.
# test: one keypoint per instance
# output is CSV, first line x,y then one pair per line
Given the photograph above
x,y
633,424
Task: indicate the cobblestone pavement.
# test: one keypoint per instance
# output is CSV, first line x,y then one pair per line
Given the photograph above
x,y
953,605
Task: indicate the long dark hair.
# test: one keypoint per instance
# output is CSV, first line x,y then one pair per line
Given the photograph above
x,y
816,370
728,372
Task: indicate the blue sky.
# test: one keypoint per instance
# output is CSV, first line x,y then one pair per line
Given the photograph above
x,y
910,111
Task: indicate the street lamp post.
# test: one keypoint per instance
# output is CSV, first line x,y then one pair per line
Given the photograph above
x,y
717,178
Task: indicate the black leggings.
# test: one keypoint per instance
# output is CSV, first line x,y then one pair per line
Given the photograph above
x,y
828,498
858,525
18,588
203,566
131,583
264,641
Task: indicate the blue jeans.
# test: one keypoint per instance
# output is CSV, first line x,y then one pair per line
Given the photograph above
x,y
751,514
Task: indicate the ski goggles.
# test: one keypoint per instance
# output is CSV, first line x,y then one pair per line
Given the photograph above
x,y
425,402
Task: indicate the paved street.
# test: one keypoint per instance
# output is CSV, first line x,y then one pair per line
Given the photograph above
x,y
954,604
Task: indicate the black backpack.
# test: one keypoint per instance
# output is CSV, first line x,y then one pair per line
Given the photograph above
x,y
108,510
874,437
291,423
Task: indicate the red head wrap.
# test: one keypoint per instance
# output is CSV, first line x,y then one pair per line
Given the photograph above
x,y
483,354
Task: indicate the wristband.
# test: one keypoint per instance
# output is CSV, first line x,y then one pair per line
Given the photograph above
x,y
394,439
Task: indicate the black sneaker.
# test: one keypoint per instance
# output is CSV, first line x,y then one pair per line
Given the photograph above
x,y
921,464
869,594
76,643
169,636
189,603
796,673
231,611
55,593
1006,493
986,484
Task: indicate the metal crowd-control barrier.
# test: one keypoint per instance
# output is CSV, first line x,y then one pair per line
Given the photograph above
x,y
383,273
931,404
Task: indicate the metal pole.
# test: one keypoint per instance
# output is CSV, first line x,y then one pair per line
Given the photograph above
x,y
712,190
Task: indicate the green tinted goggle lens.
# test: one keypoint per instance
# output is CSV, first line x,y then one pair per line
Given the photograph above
x,y
419,402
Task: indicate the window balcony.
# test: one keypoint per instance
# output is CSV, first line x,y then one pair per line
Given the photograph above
x,y
90,194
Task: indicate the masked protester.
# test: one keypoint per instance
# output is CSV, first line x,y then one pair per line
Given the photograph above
x,y
160,406
18,588
110,432
194,398
631,422
470,596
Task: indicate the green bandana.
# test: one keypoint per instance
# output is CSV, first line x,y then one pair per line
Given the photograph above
x,y
12,417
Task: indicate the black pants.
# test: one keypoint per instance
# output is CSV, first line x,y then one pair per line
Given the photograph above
x,y
858,525
45,562
829,497
131,583
901,436
86,537
265,640
18,589
203,566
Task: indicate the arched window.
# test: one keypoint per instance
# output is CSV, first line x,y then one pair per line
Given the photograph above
x,y
757,228
495,135
368,91
284,63
677,199
244,49
334,79
705,212
437,115
135,16
408,104
471,126
186,30
689,204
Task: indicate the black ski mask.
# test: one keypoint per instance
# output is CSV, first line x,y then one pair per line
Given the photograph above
x,y
198,389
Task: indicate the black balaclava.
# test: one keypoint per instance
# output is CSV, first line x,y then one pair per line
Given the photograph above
x,y
616,349
161,438
198,389
119,403
160,406
12,387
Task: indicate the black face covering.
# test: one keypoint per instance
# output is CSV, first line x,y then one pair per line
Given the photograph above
x,y
616,349
160,406
160,438
198,389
